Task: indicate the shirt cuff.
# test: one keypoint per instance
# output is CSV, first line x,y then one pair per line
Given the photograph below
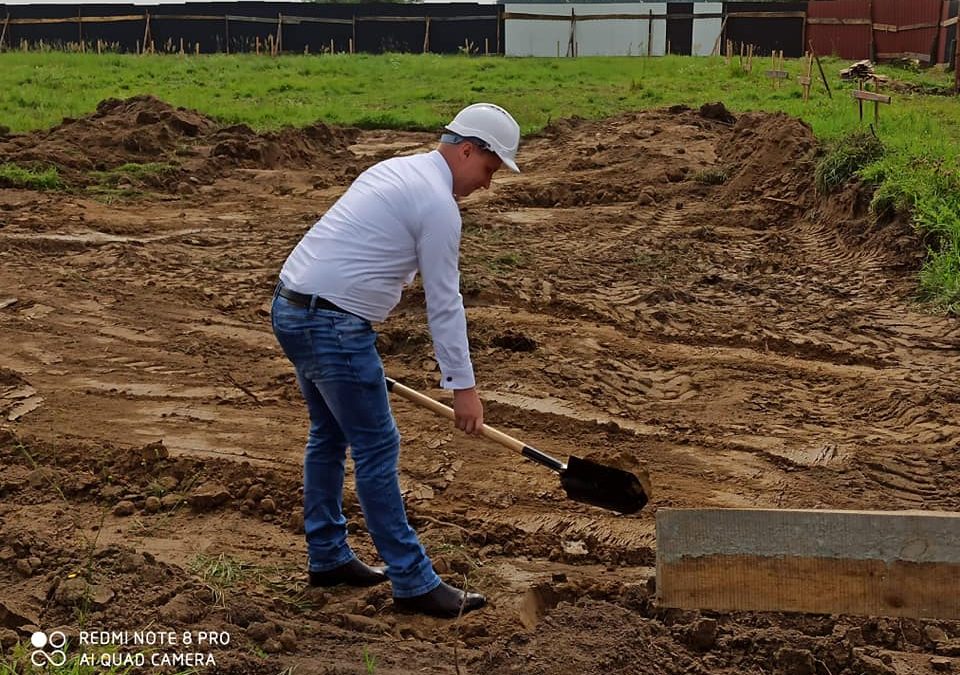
x,y
457,378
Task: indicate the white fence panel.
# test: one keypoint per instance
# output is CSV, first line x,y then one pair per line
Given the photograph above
x,y
599,37
706,31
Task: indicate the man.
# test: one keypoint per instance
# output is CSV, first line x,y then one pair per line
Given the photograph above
x,y
398,217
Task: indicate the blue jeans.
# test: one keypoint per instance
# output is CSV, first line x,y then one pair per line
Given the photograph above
x,y
342,380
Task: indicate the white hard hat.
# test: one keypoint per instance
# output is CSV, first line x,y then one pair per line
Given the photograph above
x,y
494,126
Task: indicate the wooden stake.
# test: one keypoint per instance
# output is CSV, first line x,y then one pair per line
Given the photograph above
x,y
146,32
956,60
3,33
426,35
331,46
353,37
823,77
99,46
486,46
196,48
650,34
138,46
226,33
257,45
716,45
306,49
573,33
279,45
350,42
80,31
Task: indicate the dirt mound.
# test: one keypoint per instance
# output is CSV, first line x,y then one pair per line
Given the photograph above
x,y
769,156
143,141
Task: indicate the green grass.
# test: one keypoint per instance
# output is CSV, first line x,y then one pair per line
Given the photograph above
x,y
407,91
845,158
16,176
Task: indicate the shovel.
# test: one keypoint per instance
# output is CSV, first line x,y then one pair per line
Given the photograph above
x,y
584,481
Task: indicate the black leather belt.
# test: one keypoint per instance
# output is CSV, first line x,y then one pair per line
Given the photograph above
x,y
310,301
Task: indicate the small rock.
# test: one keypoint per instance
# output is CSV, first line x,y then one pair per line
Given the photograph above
x,y
152,504
23,567
792,661
124,508
295,521
855,636
935,633
255,492
369,610
941,663
169,501
35,562
267,505
71,591
272,646
261,631
703,636
130,561
112,491
646,199
153,452
167,483
208,496
288,640
101,595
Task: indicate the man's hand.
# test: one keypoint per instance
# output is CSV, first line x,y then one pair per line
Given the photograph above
x,y
468,410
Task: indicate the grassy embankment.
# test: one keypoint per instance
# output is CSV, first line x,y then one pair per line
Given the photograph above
x,y
916,170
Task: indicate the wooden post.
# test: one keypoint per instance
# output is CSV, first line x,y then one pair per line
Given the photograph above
x,y
353,37
571,49
805,78
257,45
486,46
181,46
80,31
331,46
426,35
820,68
350,41
873,46
99,46
306,49
279,44
3,33
956,58
196,48
226,32
650,34
499,19
716,45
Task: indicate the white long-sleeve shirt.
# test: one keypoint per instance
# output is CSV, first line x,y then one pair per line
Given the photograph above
x,y
398,217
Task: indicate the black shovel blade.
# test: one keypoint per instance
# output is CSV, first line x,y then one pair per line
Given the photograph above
x,y
603,486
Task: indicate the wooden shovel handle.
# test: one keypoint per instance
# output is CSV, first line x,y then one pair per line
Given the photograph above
x,y
487,431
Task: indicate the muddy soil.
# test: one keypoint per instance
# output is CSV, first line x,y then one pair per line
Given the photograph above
x,y
661,289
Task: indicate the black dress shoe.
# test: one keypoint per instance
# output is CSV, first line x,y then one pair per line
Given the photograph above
x,y
443,601
353,573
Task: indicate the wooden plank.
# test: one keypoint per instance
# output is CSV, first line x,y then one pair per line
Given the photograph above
x,y
876,563
833,21
778,74
949,22
870,96
891,28
925,58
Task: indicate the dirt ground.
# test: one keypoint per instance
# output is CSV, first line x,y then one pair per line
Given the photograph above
x,y
661,290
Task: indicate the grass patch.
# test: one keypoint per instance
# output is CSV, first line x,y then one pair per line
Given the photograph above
x,y
845,158
16,176
220,573
714,176
927,190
